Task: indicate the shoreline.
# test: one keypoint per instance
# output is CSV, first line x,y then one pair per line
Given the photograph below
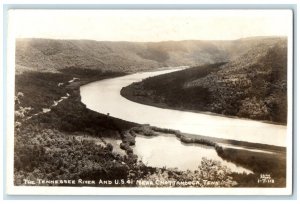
x,y
274,156
248,145
163,92
58,112
239,143
124,93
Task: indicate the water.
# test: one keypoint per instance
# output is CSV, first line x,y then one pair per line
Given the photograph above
x,y
169,151
104,97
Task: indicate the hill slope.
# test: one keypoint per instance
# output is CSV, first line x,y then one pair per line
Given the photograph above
x,y
251,85
53,55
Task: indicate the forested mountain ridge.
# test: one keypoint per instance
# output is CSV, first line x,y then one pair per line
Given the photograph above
x,y
49,55
251,85
57,138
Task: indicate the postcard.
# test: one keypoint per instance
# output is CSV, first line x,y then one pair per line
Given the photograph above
x,y
149,102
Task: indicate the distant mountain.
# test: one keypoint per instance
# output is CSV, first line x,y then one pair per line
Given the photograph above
x,y
54,55
252,84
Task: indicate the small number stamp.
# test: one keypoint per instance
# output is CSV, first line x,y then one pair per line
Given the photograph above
x,y
265,178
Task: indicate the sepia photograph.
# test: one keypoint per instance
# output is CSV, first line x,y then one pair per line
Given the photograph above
x,y
193,102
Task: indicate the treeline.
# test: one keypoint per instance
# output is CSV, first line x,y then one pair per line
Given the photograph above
x,y
168,90
42,88
55,145
216,174
252,86
50,154
46,146
273,162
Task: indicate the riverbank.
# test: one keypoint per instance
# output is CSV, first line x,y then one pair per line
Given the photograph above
x,y
47,146
269,160
187,122
58,144
129,93
187,90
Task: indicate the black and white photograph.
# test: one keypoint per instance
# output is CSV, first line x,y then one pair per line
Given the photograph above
x,y
195,102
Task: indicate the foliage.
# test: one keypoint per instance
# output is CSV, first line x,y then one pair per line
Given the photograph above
x,y
253,85
46,146
50,154
260,163
209,174
168,90
56,145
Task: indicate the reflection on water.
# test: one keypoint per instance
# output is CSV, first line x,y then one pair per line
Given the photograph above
x,y
243,148
168,151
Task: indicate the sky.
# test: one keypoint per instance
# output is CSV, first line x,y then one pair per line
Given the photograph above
x,y
149,25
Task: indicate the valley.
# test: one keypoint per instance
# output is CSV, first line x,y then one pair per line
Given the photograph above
x,y
253,86
58,136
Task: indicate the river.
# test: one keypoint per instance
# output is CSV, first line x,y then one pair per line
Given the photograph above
x,y
168,151
104,97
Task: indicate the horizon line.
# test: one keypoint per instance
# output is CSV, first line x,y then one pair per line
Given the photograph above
x,y
74,39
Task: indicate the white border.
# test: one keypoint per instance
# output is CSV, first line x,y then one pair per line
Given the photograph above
x,y
41,190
